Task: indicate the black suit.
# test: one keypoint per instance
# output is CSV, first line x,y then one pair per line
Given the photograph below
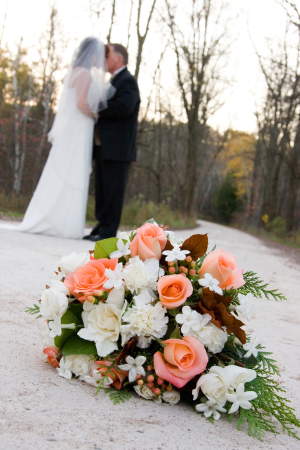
x,y
117,126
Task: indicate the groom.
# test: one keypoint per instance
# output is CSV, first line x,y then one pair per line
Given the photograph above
x,y
117,129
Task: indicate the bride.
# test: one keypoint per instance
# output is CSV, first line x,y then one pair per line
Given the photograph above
x,y
58,205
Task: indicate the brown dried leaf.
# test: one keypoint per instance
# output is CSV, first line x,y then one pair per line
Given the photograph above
x,y
168,246
235,328
164,227
127,349
197,245
208,298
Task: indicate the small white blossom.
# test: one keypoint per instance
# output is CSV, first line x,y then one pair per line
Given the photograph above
x,y
211,283
115,277
63,371
123,249
56,326
246,305
251,347
240,398
210,408
189,320
134,366
176,254
124,235
172,238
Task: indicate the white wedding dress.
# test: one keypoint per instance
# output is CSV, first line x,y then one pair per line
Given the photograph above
x,y
58,205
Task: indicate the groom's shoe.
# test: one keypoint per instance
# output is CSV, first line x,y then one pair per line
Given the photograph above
x,y
94,238
94,234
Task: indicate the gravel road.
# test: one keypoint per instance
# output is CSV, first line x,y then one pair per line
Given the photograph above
x,y
40,410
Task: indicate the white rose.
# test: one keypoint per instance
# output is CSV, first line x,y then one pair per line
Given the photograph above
x,y
145,392
53,304
212,337
171,397
47,340
239,375
214,385
70,263
102,325
59,286
80,365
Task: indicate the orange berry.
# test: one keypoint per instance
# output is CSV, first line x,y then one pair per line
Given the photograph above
x,y
140,382
160,381
150,385
149,368
150,378
172,269
156,391
169,388
188,258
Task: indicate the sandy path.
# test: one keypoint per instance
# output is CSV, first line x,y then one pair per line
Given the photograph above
x,y
40,410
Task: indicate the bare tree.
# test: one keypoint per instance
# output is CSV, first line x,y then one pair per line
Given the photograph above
x,y
142,37
113,12
51,46
276,171
199,53
21,103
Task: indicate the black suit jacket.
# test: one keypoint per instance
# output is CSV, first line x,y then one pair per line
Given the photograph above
x,y
117,124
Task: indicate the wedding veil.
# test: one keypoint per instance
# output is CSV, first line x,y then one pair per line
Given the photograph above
x,y
87,66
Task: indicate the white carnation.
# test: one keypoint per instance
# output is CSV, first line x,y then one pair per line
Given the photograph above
x,y
80,365
212,337
145,321
72,262
141,274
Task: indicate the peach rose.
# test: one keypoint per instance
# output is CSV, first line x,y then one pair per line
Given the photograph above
x,y
173,290
149,242
51,353
181,361
89,278
118,376
222,266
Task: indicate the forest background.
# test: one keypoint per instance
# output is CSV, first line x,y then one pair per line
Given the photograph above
x,y
192,160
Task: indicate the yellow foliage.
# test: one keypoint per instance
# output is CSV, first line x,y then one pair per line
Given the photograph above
x,y
238,155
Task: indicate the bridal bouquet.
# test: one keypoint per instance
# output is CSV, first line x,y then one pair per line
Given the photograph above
x,y
152,313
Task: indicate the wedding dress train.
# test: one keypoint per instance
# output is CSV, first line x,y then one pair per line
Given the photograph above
x,y
58,205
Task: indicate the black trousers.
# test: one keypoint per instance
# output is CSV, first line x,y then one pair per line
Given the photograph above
x,y
110,184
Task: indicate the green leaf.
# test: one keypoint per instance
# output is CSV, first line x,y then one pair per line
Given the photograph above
x,y
174,311
150,221
118,396
176,333
105,247
34,310
76,346
77,309
68,317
